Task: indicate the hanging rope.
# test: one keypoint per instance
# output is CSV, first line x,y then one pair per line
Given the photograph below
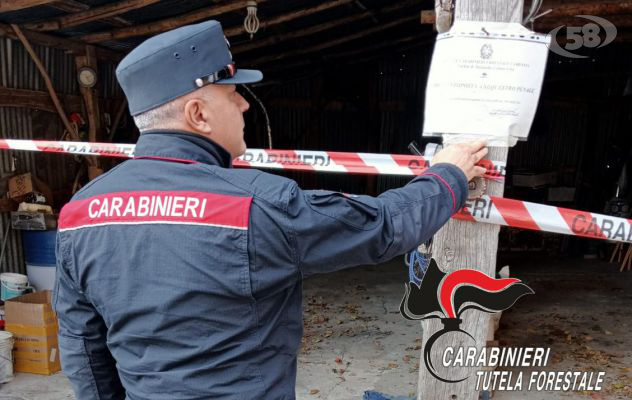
x,y
265,114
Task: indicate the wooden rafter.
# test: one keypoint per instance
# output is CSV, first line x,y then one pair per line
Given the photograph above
x,y
40,100
565,10
332,43
14,5
592,8
238,30
427,38
93,14
319,28
547,24
363,54
165,24
58,42
72,6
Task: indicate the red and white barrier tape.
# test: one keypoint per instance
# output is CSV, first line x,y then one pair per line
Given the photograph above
x,y
299,160
539,217
493,210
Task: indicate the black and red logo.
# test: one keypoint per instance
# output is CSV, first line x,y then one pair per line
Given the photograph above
x,y
447,296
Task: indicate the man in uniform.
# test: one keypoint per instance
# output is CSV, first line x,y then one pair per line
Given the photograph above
x,y
179,277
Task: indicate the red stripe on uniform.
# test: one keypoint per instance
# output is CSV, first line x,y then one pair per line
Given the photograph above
x,y
167,207
515,213
352,162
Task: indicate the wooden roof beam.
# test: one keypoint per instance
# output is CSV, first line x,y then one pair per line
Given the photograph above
x,y
92,14
320,28
72,6
565,10
14,5
592,8
165,24
69,45
547,24
238,30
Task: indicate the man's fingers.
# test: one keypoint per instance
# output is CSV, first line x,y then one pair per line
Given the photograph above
x,y
479,171
478,156
477,145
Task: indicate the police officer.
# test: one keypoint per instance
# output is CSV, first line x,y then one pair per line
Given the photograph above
x,y
179,277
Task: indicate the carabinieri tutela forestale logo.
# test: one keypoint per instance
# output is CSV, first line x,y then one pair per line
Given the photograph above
x,y
447,295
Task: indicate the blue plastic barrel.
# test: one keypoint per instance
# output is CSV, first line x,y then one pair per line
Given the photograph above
x,y
39,247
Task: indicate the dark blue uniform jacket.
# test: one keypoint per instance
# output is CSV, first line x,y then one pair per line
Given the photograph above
x,y
179,277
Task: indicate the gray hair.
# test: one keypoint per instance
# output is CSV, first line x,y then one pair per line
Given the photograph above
x,y
159,117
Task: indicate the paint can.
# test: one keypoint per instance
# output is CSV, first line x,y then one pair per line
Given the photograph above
x,y
12,285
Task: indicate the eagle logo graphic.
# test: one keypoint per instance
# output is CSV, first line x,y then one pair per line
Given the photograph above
x,y
487,51
447,296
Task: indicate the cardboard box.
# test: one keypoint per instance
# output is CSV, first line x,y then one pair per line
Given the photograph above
x,y
20,186
33,323
33,221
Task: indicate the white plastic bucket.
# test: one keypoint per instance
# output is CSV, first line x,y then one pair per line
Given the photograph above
x,y
13,285
41,277
6,356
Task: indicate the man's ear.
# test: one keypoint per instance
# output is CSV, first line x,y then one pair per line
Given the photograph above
x,y
196,116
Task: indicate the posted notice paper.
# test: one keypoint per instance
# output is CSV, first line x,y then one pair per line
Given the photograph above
x,y
485,82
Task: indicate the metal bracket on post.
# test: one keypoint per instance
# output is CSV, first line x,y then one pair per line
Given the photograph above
x,y
444,10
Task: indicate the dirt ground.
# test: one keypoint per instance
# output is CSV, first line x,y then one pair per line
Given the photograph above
x,y
582,310
355,340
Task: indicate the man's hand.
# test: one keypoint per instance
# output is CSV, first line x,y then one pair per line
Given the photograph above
x,y
465,156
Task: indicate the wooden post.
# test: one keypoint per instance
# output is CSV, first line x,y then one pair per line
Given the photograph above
x,y
462,244
91,101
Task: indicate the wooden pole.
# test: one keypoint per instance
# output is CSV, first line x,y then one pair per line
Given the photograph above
x,y
91,101
49,85
89,94
460,245
117,119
